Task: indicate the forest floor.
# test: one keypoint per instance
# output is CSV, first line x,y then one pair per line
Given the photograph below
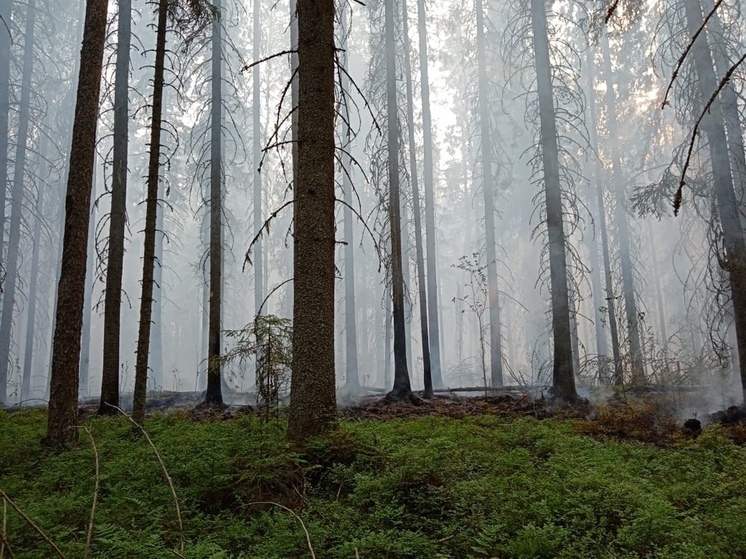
x,y
451,478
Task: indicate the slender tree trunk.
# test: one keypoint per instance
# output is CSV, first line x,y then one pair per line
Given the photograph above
x,y
660,301
257,156
352,375
496,354
402,388
85,341
5,42
421,281
214,394
155,360
563,377
427,129
387,324
312,393
601,216
28,354
17,201
117,216
725,197
151,216
204,339
622,224
63,401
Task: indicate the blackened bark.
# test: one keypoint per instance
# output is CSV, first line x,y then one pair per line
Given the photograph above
x,y
725,197
402,388
63,401
117,216
312,393
214,395
428,164
17,200
493,292
151,209
419,252
563,378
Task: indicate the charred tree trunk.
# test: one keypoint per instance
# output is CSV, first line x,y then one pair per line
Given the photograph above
x,y
312,393
17,200
725,197
563,377
151,211
427,130
419,253
214,395
63,401
117,216
622,225
402,388
493,292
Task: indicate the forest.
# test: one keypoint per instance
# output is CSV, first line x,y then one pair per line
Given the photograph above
x,y
372,279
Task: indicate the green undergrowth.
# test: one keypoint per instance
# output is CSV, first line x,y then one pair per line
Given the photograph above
x,y
482,487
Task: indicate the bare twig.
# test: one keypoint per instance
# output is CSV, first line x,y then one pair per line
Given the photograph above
x,y
688,48
5,545
31,523
165,474
298,518
89,536
266,59
610,11
695,132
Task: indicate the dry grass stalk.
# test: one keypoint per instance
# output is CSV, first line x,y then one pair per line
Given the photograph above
x,y
298,518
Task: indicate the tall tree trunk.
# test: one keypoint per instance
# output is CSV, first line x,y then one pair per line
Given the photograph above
x,y
17,198
85,338
151,216
725,197
563,377
352,375
387,326
117,216
257,157
214,395
155,360
496,353
622,224
28,354
421,281
601,216
428,165
660,301
5,42
204,339
402,387
63,401
312,393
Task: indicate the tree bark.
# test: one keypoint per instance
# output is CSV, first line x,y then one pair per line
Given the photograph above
x,y
17,200
151,210
214,395
5,42
258,250
428,165
117,216
493,292
402,388
312,393
63,401
563,377
419,252
725,197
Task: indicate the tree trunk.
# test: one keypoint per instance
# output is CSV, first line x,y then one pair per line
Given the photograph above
x,y
402,388
387,324
427,130
63,401
17,201
117,216
85,341
725,198
205,328
313,403
660,301
421,281
496,354
563,377
151,211
601,216
258,250
214,395
352,375
622,224
5,42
